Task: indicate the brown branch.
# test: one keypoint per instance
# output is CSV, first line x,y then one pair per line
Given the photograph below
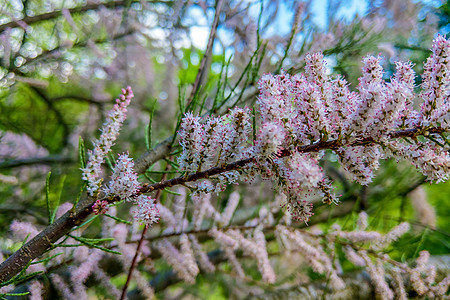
x,y
44,240
208,53
315,147
133,263
54,14
46,160
57,51
138,248
151,156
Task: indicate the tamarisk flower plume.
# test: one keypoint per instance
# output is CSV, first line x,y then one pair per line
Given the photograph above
x,y
146,213
125,185
302,115
124,181
102,146
214,141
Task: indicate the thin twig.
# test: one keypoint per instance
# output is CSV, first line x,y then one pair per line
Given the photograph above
x,y
57,13
46,160
320,145
138,248
208,52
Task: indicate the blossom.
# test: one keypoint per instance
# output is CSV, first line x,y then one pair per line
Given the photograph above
x,y
353,256
314,108
146,212
393,235
256,247
436,80
432,161
376,273
232,203
372,91
23,230
109,133
191,140
213,141
237,131
124,182
363,220
270,138
201,255
188,255
176,260
36,289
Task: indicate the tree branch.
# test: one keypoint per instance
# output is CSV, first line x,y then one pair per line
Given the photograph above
x,y
46,160
315,147
54,14
208,53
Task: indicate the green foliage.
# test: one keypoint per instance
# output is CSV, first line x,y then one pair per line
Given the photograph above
x,y
53,198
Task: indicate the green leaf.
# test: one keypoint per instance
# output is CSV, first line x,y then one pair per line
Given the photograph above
x,y
172,163
46,259
85,222
47,196
74,207
148,133
110,161
15,294
58,196
254,124
181,100
90,240
27,277
171,192
53,199
81,153
118,219
174,137
149,178
89,243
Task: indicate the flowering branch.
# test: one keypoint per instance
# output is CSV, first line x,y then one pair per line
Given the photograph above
x,y
315,147
300,116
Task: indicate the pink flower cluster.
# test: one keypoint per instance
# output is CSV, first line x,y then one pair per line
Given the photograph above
x,y
146,212
124,181
213,141
102,146
436,85
100,207
124,184
304,109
